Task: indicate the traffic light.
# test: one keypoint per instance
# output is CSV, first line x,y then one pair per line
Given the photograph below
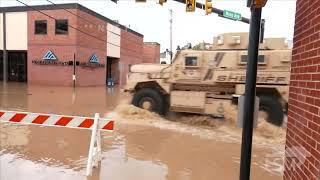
x,y
190,5
256,3
162,1
208,7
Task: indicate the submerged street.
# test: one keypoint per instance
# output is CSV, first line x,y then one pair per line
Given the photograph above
x,y
143,146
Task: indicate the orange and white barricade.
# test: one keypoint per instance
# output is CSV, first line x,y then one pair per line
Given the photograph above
x,y
96,124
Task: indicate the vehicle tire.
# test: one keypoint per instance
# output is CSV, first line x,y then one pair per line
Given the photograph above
x,y
273,108
149,99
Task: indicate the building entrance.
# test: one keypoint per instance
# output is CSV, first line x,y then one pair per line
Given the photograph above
x,y
113,69
16,66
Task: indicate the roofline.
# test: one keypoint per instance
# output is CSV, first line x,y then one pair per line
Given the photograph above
x,y
153,43
67,6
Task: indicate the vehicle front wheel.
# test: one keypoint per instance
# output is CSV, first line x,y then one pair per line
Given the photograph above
x,y
273,108
150,100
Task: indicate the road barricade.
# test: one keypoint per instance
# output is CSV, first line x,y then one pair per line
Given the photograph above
x,y
95,124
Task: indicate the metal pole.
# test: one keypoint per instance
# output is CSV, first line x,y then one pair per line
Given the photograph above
x,y
74,70
263,22
5,56
250,92
171,35
92,144
214,10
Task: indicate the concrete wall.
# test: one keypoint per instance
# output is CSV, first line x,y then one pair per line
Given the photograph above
x,y
303,129
17,30
1,31
114,41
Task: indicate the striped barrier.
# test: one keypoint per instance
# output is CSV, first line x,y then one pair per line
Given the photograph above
x,y
53,120
96,124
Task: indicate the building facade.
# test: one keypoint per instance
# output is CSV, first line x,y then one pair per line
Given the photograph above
x,y
151,52
66,44
302,159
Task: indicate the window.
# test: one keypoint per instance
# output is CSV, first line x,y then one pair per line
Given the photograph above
x,y
261,59
62,26
220,40
40,27
191,61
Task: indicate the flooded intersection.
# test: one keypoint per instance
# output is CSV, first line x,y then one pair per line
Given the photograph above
x,y
143,146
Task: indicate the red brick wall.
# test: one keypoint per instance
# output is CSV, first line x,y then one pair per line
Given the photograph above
x,y
65,46
87,45
88,76
303,128
130,53
97,30
151,53
79,43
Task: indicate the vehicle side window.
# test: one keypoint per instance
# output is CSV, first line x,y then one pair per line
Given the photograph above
x,y
261,60
191,61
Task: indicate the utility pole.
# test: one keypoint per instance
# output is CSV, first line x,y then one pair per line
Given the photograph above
x,y
5,57
171,35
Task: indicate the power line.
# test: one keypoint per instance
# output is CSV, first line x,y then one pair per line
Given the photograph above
x,y
56,19
81,17
88,21
73,27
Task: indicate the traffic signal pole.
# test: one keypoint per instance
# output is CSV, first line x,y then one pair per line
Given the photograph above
x,y
214,10
250,93
5,53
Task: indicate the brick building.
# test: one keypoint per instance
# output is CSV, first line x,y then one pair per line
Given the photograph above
x,y
47,44
151,52
303,128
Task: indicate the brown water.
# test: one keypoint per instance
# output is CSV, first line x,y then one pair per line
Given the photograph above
x,y
144,146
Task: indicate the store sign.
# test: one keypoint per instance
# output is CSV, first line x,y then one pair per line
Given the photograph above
x,y
51,59
93,62
49,56
46,62
94,59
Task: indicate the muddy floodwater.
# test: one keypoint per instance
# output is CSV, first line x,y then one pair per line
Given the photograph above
x,y
143,146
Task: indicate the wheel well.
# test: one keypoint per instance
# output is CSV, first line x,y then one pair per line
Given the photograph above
x,y
262,91
273,92
152,85
268,92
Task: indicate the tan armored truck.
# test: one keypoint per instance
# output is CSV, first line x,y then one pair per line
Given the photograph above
x,y
205,82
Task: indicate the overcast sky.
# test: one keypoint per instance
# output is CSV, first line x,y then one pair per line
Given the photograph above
x,y
152,19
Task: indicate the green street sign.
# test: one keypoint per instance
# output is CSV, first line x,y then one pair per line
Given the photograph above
x,y
232,15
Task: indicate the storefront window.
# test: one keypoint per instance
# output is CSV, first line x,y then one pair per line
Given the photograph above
x,y
40,27
62,26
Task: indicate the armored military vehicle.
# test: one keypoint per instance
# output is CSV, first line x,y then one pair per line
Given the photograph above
x,y
205,82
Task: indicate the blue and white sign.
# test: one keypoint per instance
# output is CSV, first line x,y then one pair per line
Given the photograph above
x,y
49,56
94,59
